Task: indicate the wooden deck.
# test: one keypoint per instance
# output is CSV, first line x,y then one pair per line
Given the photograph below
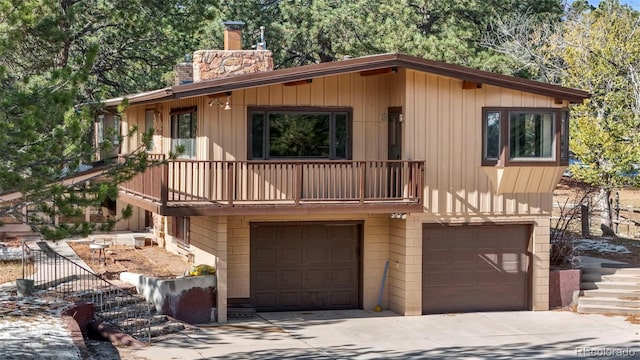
x,y
184,187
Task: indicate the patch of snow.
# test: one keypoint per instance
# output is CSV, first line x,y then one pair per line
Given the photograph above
x,y
602,246
10,253
31,328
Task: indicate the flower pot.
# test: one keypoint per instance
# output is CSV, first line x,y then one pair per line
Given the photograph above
x,y
562,286
25,287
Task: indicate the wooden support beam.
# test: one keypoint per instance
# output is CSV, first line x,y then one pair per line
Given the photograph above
x,y
470,85
388,70
299,82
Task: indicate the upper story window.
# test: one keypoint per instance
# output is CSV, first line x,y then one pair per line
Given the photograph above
x,y
149,116
299,133
525,136
183,131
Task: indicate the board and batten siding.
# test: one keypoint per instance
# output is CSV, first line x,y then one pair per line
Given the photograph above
x,y
443,125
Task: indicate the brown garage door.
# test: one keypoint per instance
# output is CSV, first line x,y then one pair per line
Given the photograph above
x,y
475,268
309,266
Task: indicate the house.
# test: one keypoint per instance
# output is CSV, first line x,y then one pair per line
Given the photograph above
x,y
299,184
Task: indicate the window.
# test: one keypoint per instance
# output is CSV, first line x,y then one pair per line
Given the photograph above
x,y
183,131
180,230
149,116
100,130
525,136
108,128
310,133
117,129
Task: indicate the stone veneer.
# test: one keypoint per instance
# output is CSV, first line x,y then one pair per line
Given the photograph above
x,y
212,64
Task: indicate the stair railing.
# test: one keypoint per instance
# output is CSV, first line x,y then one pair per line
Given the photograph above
x,y
64,278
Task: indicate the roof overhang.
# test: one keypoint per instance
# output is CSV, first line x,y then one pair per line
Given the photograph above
x,y
365,63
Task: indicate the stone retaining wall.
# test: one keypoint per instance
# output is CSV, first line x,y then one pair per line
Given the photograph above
x,y
190,299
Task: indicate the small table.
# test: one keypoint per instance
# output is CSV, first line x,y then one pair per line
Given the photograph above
x,y
98,249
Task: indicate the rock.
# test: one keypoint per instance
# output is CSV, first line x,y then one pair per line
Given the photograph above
x,y
607,231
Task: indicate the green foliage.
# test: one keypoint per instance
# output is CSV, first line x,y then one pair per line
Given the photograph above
x,y
604,59
55,55
597,50
310,31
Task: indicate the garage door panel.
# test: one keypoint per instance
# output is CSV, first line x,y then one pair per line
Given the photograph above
x,y
461,278
317,266
290,256
317,278
487,268
434,256
265,255
292,299
289,279
461,256
266,280
266,297
342,277
342,254
316,255
342,298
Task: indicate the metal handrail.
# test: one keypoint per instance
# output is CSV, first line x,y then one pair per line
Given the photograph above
x,y
72,282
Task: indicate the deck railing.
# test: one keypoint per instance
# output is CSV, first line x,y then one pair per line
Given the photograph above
x,y
281,181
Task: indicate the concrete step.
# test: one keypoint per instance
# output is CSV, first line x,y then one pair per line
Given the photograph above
x,y
124,312
611,270
138,322
626,278
609,285
627,302
602,293
604,309
166,328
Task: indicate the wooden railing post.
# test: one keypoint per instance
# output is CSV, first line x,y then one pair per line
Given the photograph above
x,y
230,183
164,184
298,184
420,193
363,174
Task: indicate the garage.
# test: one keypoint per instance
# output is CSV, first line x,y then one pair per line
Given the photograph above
x,y
305,266
475,268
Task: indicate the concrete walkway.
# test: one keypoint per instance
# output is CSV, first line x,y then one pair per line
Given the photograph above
x,y
357,334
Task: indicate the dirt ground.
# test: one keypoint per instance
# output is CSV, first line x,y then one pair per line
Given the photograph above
x,y
569,191
10,270
147,260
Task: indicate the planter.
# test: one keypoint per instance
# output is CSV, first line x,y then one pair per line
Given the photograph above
x,y
139,241
25,287
562,286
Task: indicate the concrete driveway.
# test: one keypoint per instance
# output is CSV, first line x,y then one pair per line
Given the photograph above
x,y
357,334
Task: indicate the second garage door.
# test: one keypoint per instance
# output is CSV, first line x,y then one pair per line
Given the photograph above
x,y
307,266
475,268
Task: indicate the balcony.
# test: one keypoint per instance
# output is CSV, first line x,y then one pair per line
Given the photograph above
x,y
192,188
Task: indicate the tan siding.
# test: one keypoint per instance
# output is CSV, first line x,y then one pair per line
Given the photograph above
x,y
316,94
443,127
275,94
331,91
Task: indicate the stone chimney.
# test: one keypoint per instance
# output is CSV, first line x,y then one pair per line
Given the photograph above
x,y
213,64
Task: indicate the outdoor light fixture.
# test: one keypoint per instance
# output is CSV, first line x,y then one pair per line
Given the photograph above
x,y
224,105
402,216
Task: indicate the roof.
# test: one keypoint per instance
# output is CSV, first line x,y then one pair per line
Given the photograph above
x,y
365,63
